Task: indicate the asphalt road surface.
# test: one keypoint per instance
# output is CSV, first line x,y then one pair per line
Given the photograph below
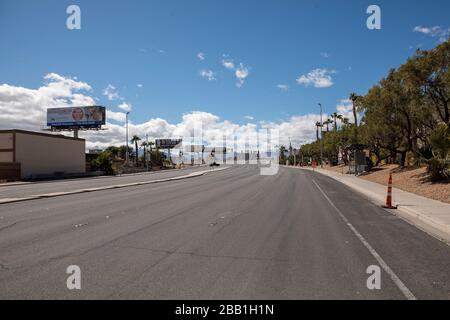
x,y
231,234
43,187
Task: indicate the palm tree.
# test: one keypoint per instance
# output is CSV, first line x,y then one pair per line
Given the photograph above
x,y
318,125
135,140
336,116
150,149
144,144
327,123
353,98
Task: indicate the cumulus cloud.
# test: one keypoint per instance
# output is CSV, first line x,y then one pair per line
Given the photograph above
x,y
201,56
208,74
241,73
319,78
299,129
111,92
125,106
345,107
228,64
116,116
25,108
249,117
283,87
435,31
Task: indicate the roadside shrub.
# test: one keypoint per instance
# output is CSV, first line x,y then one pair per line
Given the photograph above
x,y
438,169
439,165
104,163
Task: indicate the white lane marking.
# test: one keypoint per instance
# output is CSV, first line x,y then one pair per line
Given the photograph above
x,y
406,292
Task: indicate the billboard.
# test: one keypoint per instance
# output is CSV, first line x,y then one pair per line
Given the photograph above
x,y
167,143
75,117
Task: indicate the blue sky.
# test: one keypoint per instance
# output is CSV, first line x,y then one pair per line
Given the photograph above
x,y
156,43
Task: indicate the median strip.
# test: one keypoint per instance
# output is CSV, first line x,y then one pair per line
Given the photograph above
x,y
119,186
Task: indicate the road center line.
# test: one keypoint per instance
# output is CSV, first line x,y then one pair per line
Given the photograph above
x,y
406,292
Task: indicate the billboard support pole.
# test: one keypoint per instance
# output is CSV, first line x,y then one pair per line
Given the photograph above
x,y
75,133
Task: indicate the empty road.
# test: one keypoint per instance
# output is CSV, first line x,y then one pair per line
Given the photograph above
x,y
231,234
33,188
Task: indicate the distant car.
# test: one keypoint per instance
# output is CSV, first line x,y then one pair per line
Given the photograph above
x,y
214,164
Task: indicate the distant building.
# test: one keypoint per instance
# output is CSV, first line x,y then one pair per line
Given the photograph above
x,y
95,151
27,154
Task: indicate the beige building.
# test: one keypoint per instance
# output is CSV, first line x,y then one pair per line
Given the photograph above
x,y
27,154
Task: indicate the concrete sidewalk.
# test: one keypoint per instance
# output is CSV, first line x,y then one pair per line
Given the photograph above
x,y
428,215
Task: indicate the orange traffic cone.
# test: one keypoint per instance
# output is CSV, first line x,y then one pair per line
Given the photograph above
x,y
389,195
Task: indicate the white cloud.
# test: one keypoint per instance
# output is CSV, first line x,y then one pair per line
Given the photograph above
x,y
116,116
140,85
325,55
25,108
300,129
241,73
249,117
228,63
320,78
125,106
432,31
435,31
111,92
345,108
283,87
208,74
201,56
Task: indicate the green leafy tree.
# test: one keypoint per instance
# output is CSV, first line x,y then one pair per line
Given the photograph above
x,y
104,162
429,75
282,156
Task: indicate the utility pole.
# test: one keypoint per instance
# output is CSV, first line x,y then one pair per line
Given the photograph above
x,y
146,156
127,137
321,137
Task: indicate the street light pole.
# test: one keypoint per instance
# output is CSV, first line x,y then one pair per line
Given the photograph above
x,y
126,126
290,150
321,136
146,151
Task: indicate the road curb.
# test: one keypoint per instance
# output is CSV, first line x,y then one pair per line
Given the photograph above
x,y
119,186
413,217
